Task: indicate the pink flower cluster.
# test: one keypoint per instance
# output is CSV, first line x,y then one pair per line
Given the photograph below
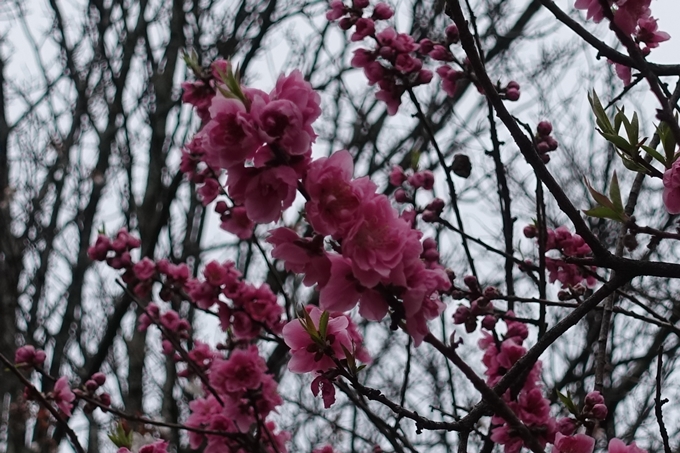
x,y
593,411
263,141
567,244
377,261
29,356
396,62
160,446
242,396
633,17
481,305
529,404
252,308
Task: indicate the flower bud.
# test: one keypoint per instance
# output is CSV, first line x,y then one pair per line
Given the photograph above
x,y
452,35
105,398
512,94
566,426
436,205
544,128
382,12
599,411
99,378
594,398
530,231
91,385
489,322
400,196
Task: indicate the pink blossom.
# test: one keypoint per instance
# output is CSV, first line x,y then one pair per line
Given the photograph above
x,y
145,269
449,78
629,12
594,8
648,32
364,27
334,198
578,443
301,255
382,11
441,53
324,386
29,355
159,446
244,369
297,90
624,73
229,137
281,122
63,396
362,58
263,192
618,446
209,191
238,223
200,95
337,10
307,354
671,188
343,290
375,244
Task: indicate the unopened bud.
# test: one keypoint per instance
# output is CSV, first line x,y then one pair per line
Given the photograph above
x,y
594,398
544,128
600,411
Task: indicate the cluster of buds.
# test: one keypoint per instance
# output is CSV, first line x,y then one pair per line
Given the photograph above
x,y
171,323
544,141
593,411
481,305
408,182
89,390
28,356
511,91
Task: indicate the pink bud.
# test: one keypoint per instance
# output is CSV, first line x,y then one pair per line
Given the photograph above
x,y
452,35
544,128
566,426
512,94
382,12
91,386
400,196
105,398
436,205
99,378
489,322
397,176
600,411
530,231
594,398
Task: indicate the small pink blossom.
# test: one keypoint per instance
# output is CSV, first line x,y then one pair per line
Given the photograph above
x,y
648,32
618,446
324,386
307,354
63,396
29,355
671,188
301,255
382,11
578,443
236,221
244,369
160,446
145,269
264,192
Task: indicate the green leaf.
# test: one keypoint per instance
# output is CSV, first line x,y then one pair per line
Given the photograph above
x,y
615,194
600,198
351,361
619,142
120,438
323,324
634,129
602,118
568,403
309,326
663,130
654,153
602,213
630,164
